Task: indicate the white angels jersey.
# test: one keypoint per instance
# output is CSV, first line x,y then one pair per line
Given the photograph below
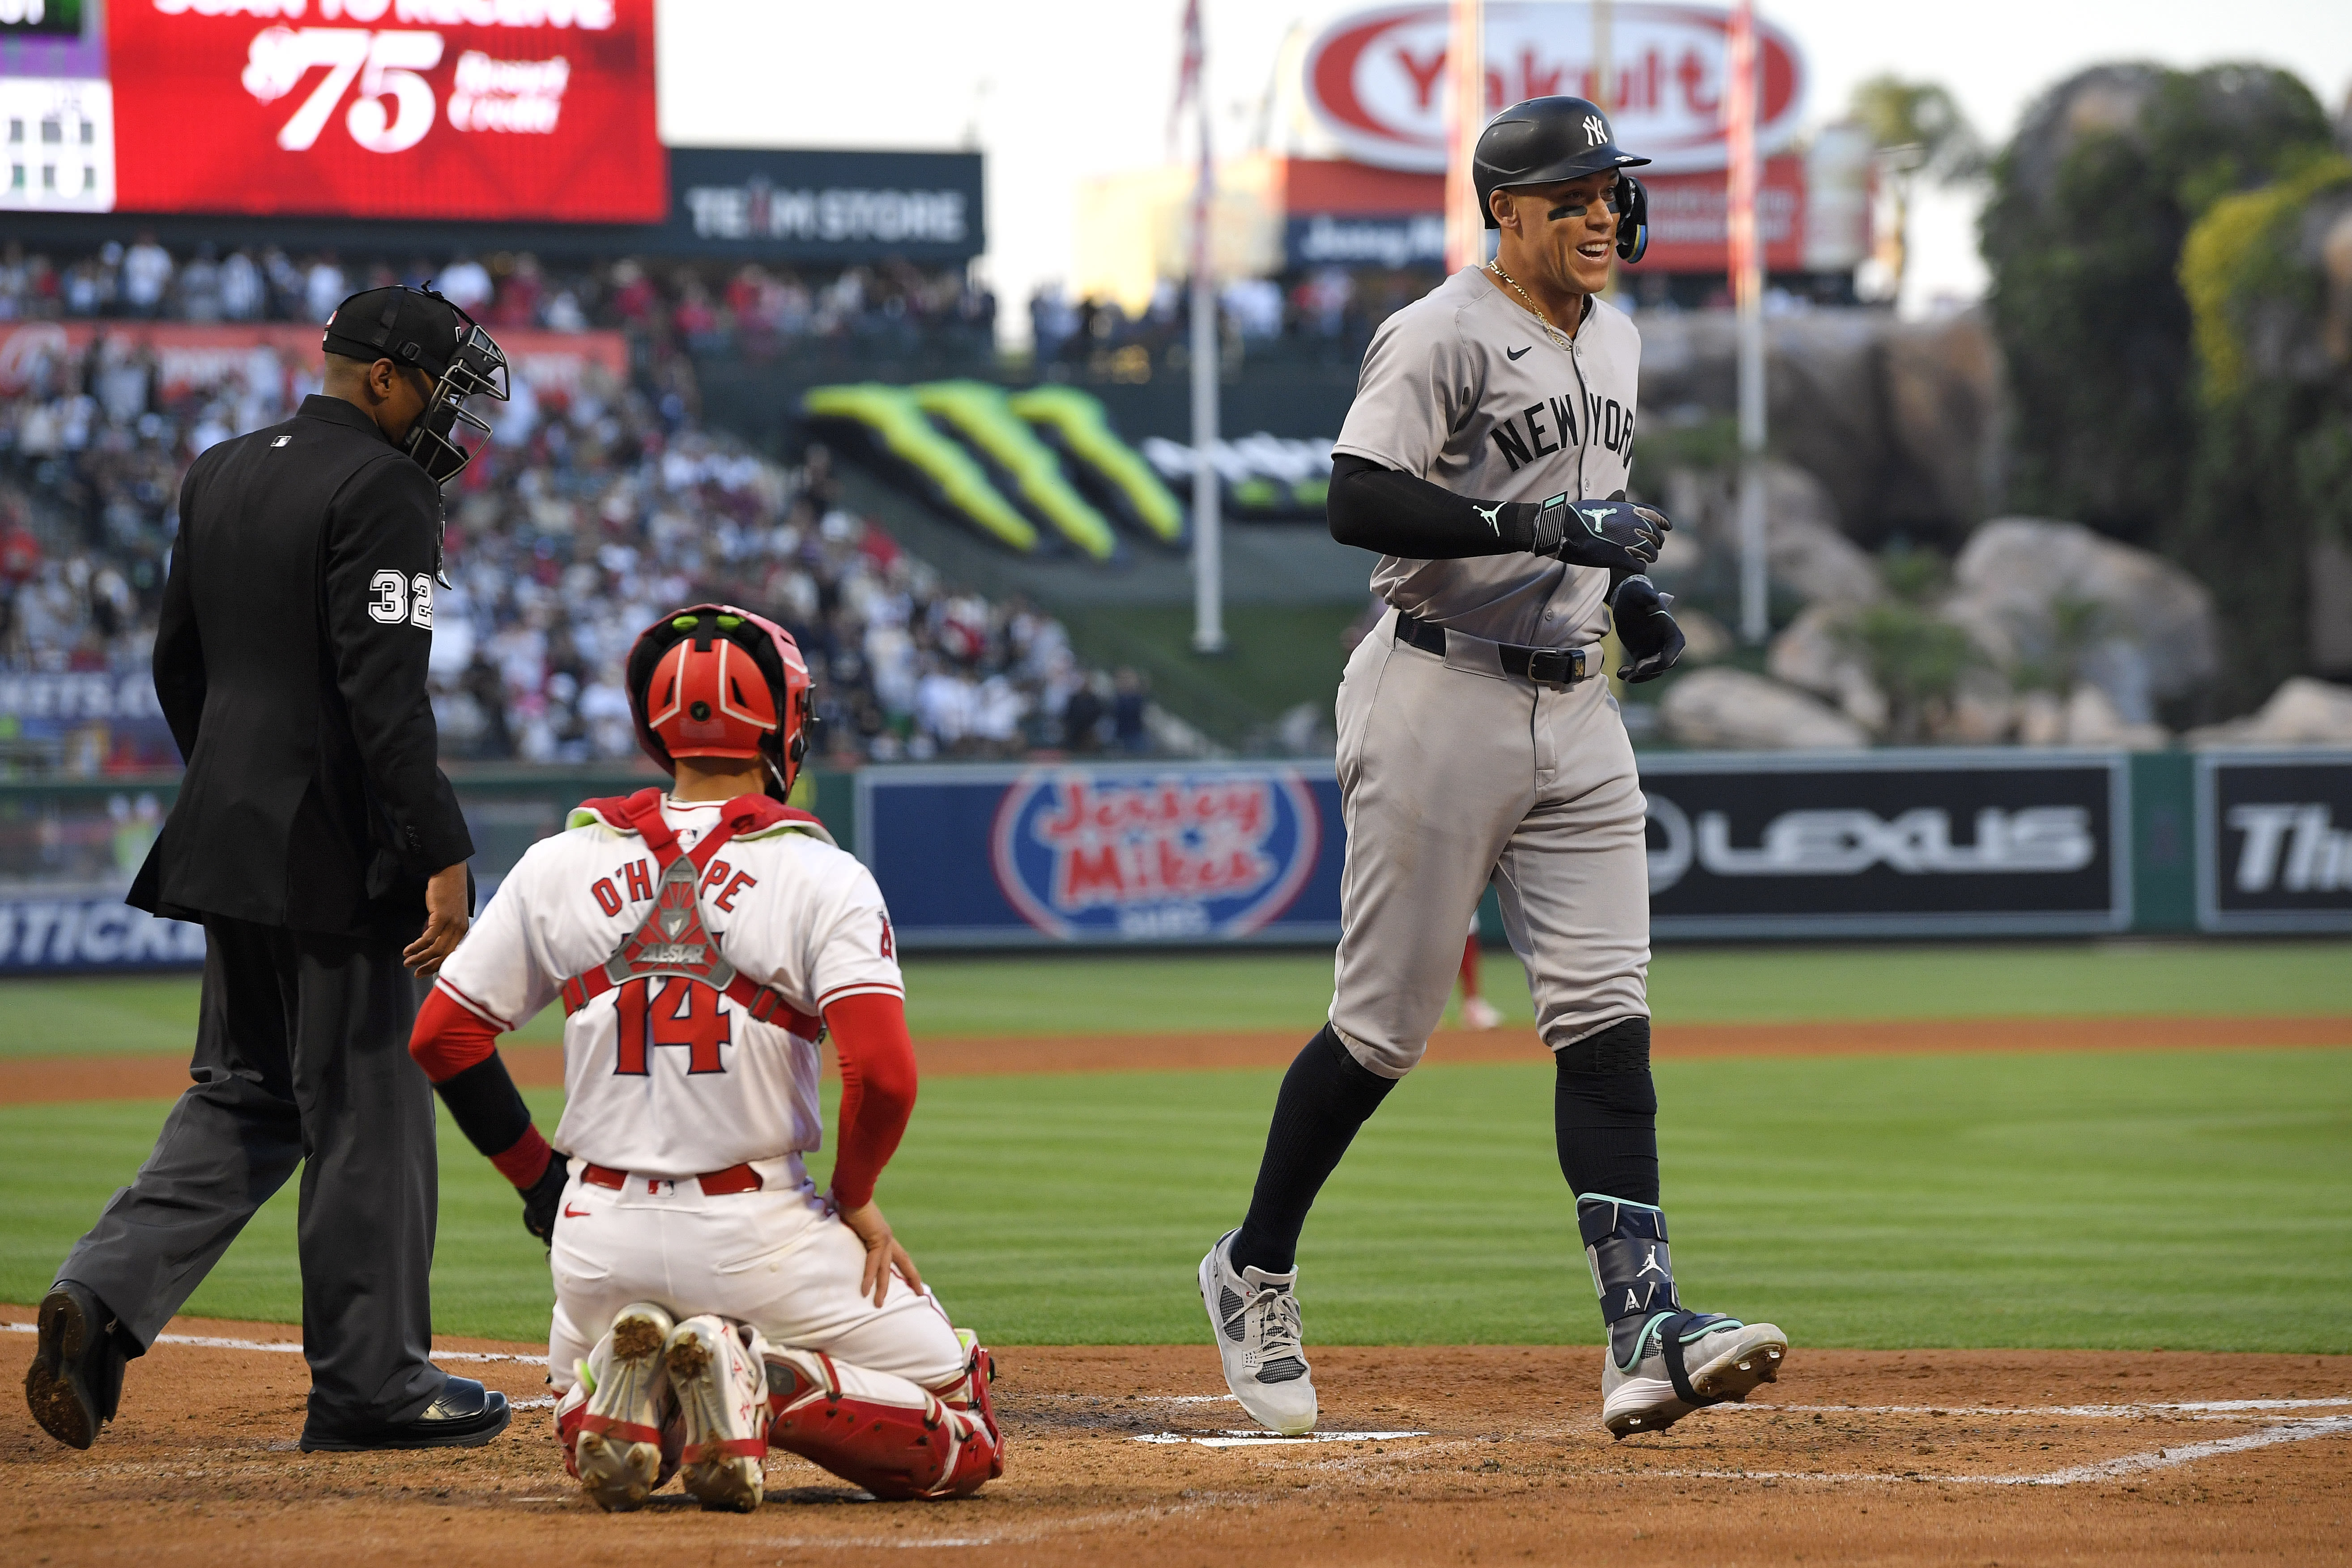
x,y
666,1075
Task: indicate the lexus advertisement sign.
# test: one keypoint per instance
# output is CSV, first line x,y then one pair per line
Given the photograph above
x,y
2275,842
1887,845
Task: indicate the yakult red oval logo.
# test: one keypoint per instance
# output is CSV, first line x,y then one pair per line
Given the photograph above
x,y
1376,80
1152,852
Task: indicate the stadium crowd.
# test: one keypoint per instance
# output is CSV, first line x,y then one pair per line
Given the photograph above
x,y
601,502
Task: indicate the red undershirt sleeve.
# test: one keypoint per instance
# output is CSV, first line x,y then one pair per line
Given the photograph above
x,y
877,1090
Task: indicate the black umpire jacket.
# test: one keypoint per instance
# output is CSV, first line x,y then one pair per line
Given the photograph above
x,y
290,661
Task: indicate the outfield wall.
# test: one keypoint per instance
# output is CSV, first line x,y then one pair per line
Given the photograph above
x,y
1913,845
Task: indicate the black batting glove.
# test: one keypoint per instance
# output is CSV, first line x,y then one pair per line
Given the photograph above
x,y
542,1198
1638,612
1615,535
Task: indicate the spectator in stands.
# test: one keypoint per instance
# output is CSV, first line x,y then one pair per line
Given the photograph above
x,y
146,276
244,292
1127,724
466,283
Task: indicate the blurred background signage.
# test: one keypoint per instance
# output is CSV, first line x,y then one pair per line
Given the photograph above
x,y
1374,78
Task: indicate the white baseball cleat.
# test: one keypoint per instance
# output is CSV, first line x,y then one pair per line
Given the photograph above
x,y
618,1452
1254,1317
1477,1012
1722,1359
717,1373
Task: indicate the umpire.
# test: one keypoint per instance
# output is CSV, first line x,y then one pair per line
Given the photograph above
x,y
318,841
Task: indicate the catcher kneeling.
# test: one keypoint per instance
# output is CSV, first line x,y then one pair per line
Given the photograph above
x,y
710,1303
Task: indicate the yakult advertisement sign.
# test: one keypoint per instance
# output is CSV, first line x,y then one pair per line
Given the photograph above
x,y
440,108
1106,854
1376,80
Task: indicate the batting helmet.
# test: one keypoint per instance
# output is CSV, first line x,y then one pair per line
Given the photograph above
x,y
712,681
1542,139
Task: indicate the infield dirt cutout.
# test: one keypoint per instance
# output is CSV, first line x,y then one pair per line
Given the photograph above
x,y
1976,1456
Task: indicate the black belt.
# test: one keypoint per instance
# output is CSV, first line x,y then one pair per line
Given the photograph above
x,y
1559,668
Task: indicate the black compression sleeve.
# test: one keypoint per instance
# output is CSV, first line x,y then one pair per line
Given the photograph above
x,y
1394,513
487,1107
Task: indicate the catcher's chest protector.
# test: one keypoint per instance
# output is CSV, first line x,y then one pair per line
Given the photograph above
x,y
673,941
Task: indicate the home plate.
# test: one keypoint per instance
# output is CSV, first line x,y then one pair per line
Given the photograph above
x,y
1269,1440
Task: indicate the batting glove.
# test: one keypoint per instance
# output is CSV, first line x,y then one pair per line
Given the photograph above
x,y
542,1198
1638,611
1615,535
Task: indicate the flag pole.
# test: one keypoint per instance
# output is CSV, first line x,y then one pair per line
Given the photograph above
x,y
1746,258
1208,560
1465,70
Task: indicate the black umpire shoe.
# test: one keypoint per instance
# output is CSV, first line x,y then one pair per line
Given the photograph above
x,y
466,1415
76,1378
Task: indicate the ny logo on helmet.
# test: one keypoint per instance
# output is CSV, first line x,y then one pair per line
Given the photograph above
x,y
1596,129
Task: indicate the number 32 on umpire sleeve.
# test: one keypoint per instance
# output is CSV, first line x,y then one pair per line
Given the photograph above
x,y
399,598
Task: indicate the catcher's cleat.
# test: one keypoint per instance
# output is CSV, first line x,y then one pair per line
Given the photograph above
x,y
76,1378
1662,1361
719,1375
1254,1317
616,1440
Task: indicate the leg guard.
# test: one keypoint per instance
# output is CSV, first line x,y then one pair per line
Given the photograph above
x,y
1633,1273
612,1430
893,1437
718,1374
1664,1361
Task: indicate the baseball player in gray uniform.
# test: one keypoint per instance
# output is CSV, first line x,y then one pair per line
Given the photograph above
x,y
1485,458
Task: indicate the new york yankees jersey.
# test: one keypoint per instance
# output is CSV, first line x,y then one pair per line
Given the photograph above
x,y
666,1075
1464,387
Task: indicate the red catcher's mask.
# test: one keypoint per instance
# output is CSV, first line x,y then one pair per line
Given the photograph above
x,y
713,680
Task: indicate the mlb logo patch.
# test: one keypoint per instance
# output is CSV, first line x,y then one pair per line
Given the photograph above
x,y
283,441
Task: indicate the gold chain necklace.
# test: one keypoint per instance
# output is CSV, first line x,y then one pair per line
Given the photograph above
x,y
1557,336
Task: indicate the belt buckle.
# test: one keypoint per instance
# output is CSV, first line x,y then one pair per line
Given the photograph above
x,y
1558,668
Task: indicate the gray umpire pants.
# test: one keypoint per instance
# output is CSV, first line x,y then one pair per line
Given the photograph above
x,y
1451,773
301,1059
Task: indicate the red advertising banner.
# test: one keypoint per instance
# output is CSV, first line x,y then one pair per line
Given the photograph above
x,y
435,109
1690,224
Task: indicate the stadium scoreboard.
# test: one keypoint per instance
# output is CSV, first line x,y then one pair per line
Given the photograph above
x,y
528,109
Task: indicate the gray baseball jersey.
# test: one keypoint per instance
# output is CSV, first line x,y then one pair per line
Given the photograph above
x,y
1464,387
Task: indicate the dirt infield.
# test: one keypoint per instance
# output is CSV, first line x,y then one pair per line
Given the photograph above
x,y
1997,1457
49,1080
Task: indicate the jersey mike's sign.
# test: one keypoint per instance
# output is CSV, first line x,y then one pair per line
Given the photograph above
x,y
1887,844
1376,79
1154,855
440,108
1109,853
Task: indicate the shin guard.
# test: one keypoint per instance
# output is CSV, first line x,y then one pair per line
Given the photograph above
x,y
1633,1273
893,1437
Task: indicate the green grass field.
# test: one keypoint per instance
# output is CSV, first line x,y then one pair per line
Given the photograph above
x,y
1122,994
2193,1200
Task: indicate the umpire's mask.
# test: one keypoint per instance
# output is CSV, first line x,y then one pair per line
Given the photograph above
x,y
418,326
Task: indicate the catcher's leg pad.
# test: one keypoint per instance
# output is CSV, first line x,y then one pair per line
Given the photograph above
x,y
892,1436
612,1423
718,1374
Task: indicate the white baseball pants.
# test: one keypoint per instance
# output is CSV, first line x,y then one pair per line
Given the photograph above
x,y
772,1259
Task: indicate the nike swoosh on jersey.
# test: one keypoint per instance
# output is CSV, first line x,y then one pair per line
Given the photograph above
x,y
571,1213
1515,354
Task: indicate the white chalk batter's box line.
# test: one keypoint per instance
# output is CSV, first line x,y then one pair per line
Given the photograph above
x,y
2294,1430
285,1347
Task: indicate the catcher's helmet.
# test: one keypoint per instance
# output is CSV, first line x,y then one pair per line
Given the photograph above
x,y
712,681
1541,140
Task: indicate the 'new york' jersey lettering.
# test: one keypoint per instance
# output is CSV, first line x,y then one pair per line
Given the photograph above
x,y
1443,396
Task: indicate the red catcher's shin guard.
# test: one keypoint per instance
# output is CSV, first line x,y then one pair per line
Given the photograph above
x,y
883,1432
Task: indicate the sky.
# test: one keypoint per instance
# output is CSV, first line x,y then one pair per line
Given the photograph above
x,y
1056,90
